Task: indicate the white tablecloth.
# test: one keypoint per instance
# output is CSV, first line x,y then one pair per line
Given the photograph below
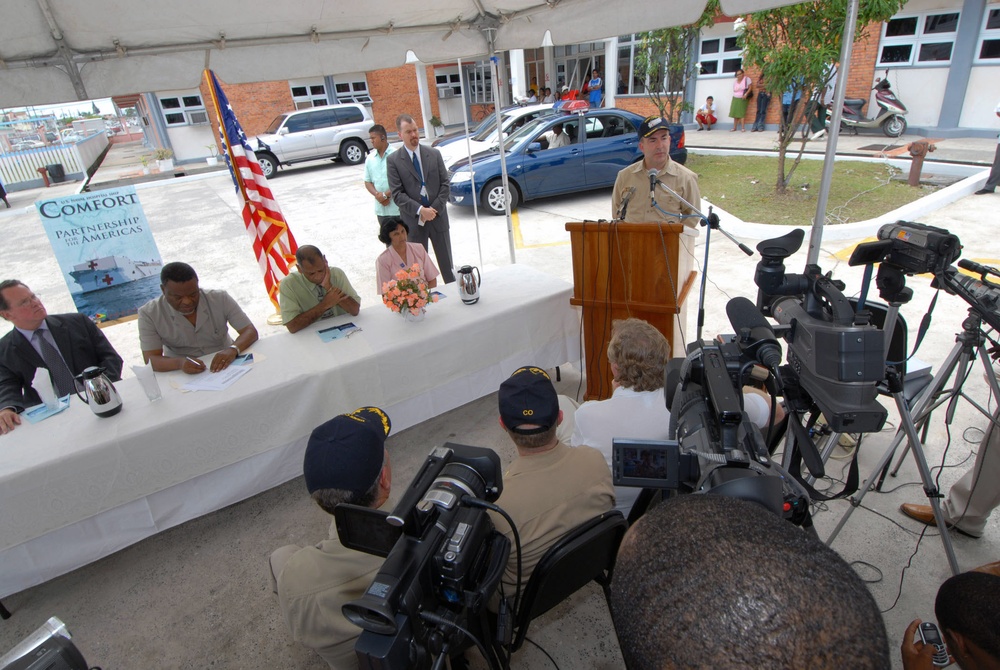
x,y
76,487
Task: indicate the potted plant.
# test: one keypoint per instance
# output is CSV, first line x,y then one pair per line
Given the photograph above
x,y
213,157
145,164
438,126
164,159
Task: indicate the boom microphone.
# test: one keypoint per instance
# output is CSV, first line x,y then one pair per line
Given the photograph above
x,y
761,342
973,266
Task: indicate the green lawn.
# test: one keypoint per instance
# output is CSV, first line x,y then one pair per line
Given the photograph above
x,y
744,186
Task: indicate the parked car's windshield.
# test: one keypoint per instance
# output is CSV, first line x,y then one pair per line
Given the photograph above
x,y
529,128
273,128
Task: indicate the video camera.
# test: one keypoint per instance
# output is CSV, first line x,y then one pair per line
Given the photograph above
x,y
440,572
836,356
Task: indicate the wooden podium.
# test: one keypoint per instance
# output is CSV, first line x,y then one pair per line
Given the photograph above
x,y
622,270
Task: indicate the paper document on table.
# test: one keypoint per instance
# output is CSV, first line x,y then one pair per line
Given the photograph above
x,y
217,381
39,412
338,332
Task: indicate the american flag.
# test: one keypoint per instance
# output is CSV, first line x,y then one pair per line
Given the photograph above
x,y
273,243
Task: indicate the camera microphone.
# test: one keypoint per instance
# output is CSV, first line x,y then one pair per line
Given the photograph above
x,y
973,266
760,342
652,186
625,201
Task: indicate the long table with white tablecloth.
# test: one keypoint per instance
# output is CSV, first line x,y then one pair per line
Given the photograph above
x,y
76,487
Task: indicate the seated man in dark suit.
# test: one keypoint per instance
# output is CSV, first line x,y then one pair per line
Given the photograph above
x,y
65,344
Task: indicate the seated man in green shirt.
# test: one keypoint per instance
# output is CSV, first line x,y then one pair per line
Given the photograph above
x,y
315,292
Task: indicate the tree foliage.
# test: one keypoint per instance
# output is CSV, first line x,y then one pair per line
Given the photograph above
x,y
663,60
794,47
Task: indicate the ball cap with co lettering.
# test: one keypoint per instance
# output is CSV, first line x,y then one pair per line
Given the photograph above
x,y
528,398
347,451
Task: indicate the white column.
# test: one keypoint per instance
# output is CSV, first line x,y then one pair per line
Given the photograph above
x,y
425,100
518,83
548,55
610,73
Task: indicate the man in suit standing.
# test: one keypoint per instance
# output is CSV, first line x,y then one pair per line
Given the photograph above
x,y
418,180
65,344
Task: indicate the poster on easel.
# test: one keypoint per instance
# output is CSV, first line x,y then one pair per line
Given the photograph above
x,y
105,250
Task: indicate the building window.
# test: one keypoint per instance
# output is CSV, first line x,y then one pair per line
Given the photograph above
x,y
448,85
309,93
989,39
719,56
480,78
352,88
183,110
918,39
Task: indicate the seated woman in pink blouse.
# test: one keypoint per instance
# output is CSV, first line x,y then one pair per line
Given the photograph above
x,y
401,254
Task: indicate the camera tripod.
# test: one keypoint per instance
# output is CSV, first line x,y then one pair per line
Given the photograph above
x,y
969,344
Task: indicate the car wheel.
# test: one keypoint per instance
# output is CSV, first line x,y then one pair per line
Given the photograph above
x,y
493,197
894,126
352,152
268,164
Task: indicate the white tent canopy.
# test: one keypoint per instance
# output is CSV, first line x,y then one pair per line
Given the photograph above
x,y
55,51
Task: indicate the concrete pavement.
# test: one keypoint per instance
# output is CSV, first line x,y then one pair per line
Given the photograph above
x,y
197,595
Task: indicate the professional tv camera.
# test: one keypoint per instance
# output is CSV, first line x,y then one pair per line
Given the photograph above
x,y
442,569
836,356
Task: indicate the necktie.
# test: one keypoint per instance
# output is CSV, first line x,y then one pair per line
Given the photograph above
x,y
423,188
61,376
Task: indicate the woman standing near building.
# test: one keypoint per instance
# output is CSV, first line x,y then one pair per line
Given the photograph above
x,y
742,92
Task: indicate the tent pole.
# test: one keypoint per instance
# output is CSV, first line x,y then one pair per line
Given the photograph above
x,y
468,150
489,33
846,49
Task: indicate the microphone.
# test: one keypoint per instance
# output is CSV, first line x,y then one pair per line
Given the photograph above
x,y
761,342
652,187
625,201
973,266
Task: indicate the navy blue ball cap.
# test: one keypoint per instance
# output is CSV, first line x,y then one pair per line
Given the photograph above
x,y
652,124
347,451
528,398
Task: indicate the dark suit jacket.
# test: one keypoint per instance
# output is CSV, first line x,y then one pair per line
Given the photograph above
x,y
81,343
404,182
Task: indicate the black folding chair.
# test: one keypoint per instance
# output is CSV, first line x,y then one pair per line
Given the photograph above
x,y
585,554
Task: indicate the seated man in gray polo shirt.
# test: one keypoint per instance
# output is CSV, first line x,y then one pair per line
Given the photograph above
x,y
317,291
187,322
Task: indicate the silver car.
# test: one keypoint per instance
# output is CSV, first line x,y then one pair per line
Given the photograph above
x,y
332,131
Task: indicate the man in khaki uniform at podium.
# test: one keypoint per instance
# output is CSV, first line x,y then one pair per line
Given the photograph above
x,y
633,182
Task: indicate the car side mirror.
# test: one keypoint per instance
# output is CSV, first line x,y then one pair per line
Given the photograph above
x,y
283,131
534,146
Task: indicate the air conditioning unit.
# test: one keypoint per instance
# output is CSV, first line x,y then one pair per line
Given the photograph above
x,y
445,92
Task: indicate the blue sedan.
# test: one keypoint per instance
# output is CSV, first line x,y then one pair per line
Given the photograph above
x,y
597,145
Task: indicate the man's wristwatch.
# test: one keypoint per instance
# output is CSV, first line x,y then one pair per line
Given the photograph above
x,y
233,346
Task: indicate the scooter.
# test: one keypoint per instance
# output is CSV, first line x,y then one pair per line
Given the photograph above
x,y
890,117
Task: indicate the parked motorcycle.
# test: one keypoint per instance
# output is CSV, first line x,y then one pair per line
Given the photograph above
x,y
890,117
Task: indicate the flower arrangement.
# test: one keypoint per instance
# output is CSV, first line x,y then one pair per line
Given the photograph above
x,y
408,292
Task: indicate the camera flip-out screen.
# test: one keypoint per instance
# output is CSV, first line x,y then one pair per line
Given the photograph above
x,y
365,529
646,463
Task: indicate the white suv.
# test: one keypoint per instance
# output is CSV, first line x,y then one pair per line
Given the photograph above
x,y
333,131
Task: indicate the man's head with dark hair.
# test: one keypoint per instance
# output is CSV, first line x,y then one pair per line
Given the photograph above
x,y
716,582
377,129
177,272
312,264
308,252
179,283
378,137
968,610
5,284
346,460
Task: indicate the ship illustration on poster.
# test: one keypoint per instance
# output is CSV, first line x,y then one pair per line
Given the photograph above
x,y
101,273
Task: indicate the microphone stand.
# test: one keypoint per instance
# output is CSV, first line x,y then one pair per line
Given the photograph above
x,y
712,223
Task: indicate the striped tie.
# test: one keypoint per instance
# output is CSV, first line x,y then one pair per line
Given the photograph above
x,y
62,378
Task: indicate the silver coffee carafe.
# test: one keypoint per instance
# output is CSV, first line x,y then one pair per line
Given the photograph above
x,y
100,394
468,284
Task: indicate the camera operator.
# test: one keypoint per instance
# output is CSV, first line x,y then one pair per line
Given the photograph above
x,y
973,497
967,608
549,489
345,462
637,408
710,581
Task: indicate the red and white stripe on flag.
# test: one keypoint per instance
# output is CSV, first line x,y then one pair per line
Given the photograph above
x,y
273,243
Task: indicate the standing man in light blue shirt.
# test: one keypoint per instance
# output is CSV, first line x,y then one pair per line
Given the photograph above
x,y
376,178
